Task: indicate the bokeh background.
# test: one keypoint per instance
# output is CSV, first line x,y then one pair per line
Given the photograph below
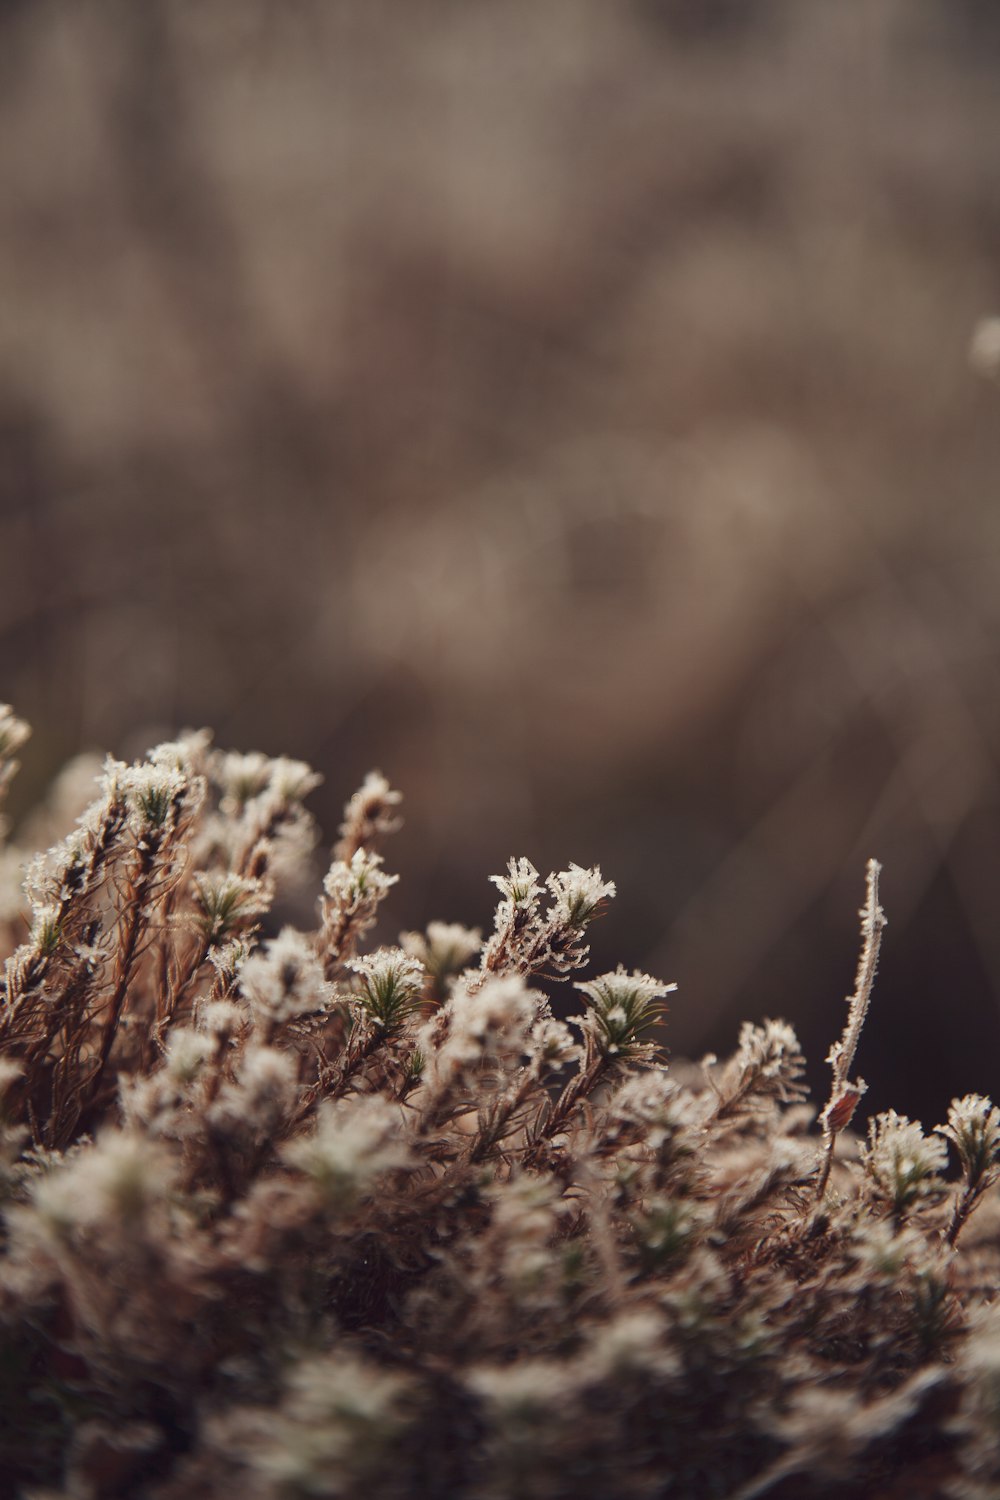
x,y
564,407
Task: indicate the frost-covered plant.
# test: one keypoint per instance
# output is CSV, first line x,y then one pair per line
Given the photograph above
x,y
904,1164
768,1065
285,1215
974,1130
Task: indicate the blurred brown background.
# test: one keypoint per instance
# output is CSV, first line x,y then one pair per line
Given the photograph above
x,y
563,406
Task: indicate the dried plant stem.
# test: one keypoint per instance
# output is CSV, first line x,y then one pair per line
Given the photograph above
x,y
493,1121
964,1204
579,1088
844,1094
135,921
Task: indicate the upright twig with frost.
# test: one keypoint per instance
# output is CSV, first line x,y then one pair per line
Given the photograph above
x,y
845,1093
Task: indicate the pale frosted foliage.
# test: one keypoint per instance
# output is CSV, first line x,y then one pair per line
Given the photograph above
x,y
666,1228
354,1142
519,887
526,1219
284,1217
974,1129
261,1095
227,960
551,1042
772,1053
491,1023
187,1052
14,732
9,1071
292,780
884,1252
332,1430
153,794
651,1108
482,1036
370,815
979,1416
191,753
242,777
445,948
531,939
903,1163
577,894
347,885
227,901
285,980
391,983
118,1179
353,891
221,1017
11,885
767,1067
621,1009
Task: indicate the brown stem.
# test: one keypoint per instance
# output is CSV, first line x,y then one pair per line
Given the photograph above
x,y
134,924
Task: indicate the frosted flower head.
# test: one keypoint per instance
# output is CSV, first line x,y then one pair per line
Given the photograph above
x,y
520,885
152,794
903,1164
445,948
772,1048
578,894
354,1142
347,882
188,754
651,1109
489,1025
292,780
391,986
369,814
620,1007
285,980
242,777
262,1095
187,1052
552,1043
497,1008
228,957
225,900
221,1018
974,1130
117,1179
884,1252
768,1065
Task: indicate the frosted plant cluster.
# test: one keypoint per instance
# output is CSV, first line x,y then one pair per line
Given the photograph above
x,y
301,1211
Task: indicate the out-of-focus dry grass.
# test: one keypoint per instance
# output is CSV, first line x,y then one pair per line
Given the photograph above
x,y
563,407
